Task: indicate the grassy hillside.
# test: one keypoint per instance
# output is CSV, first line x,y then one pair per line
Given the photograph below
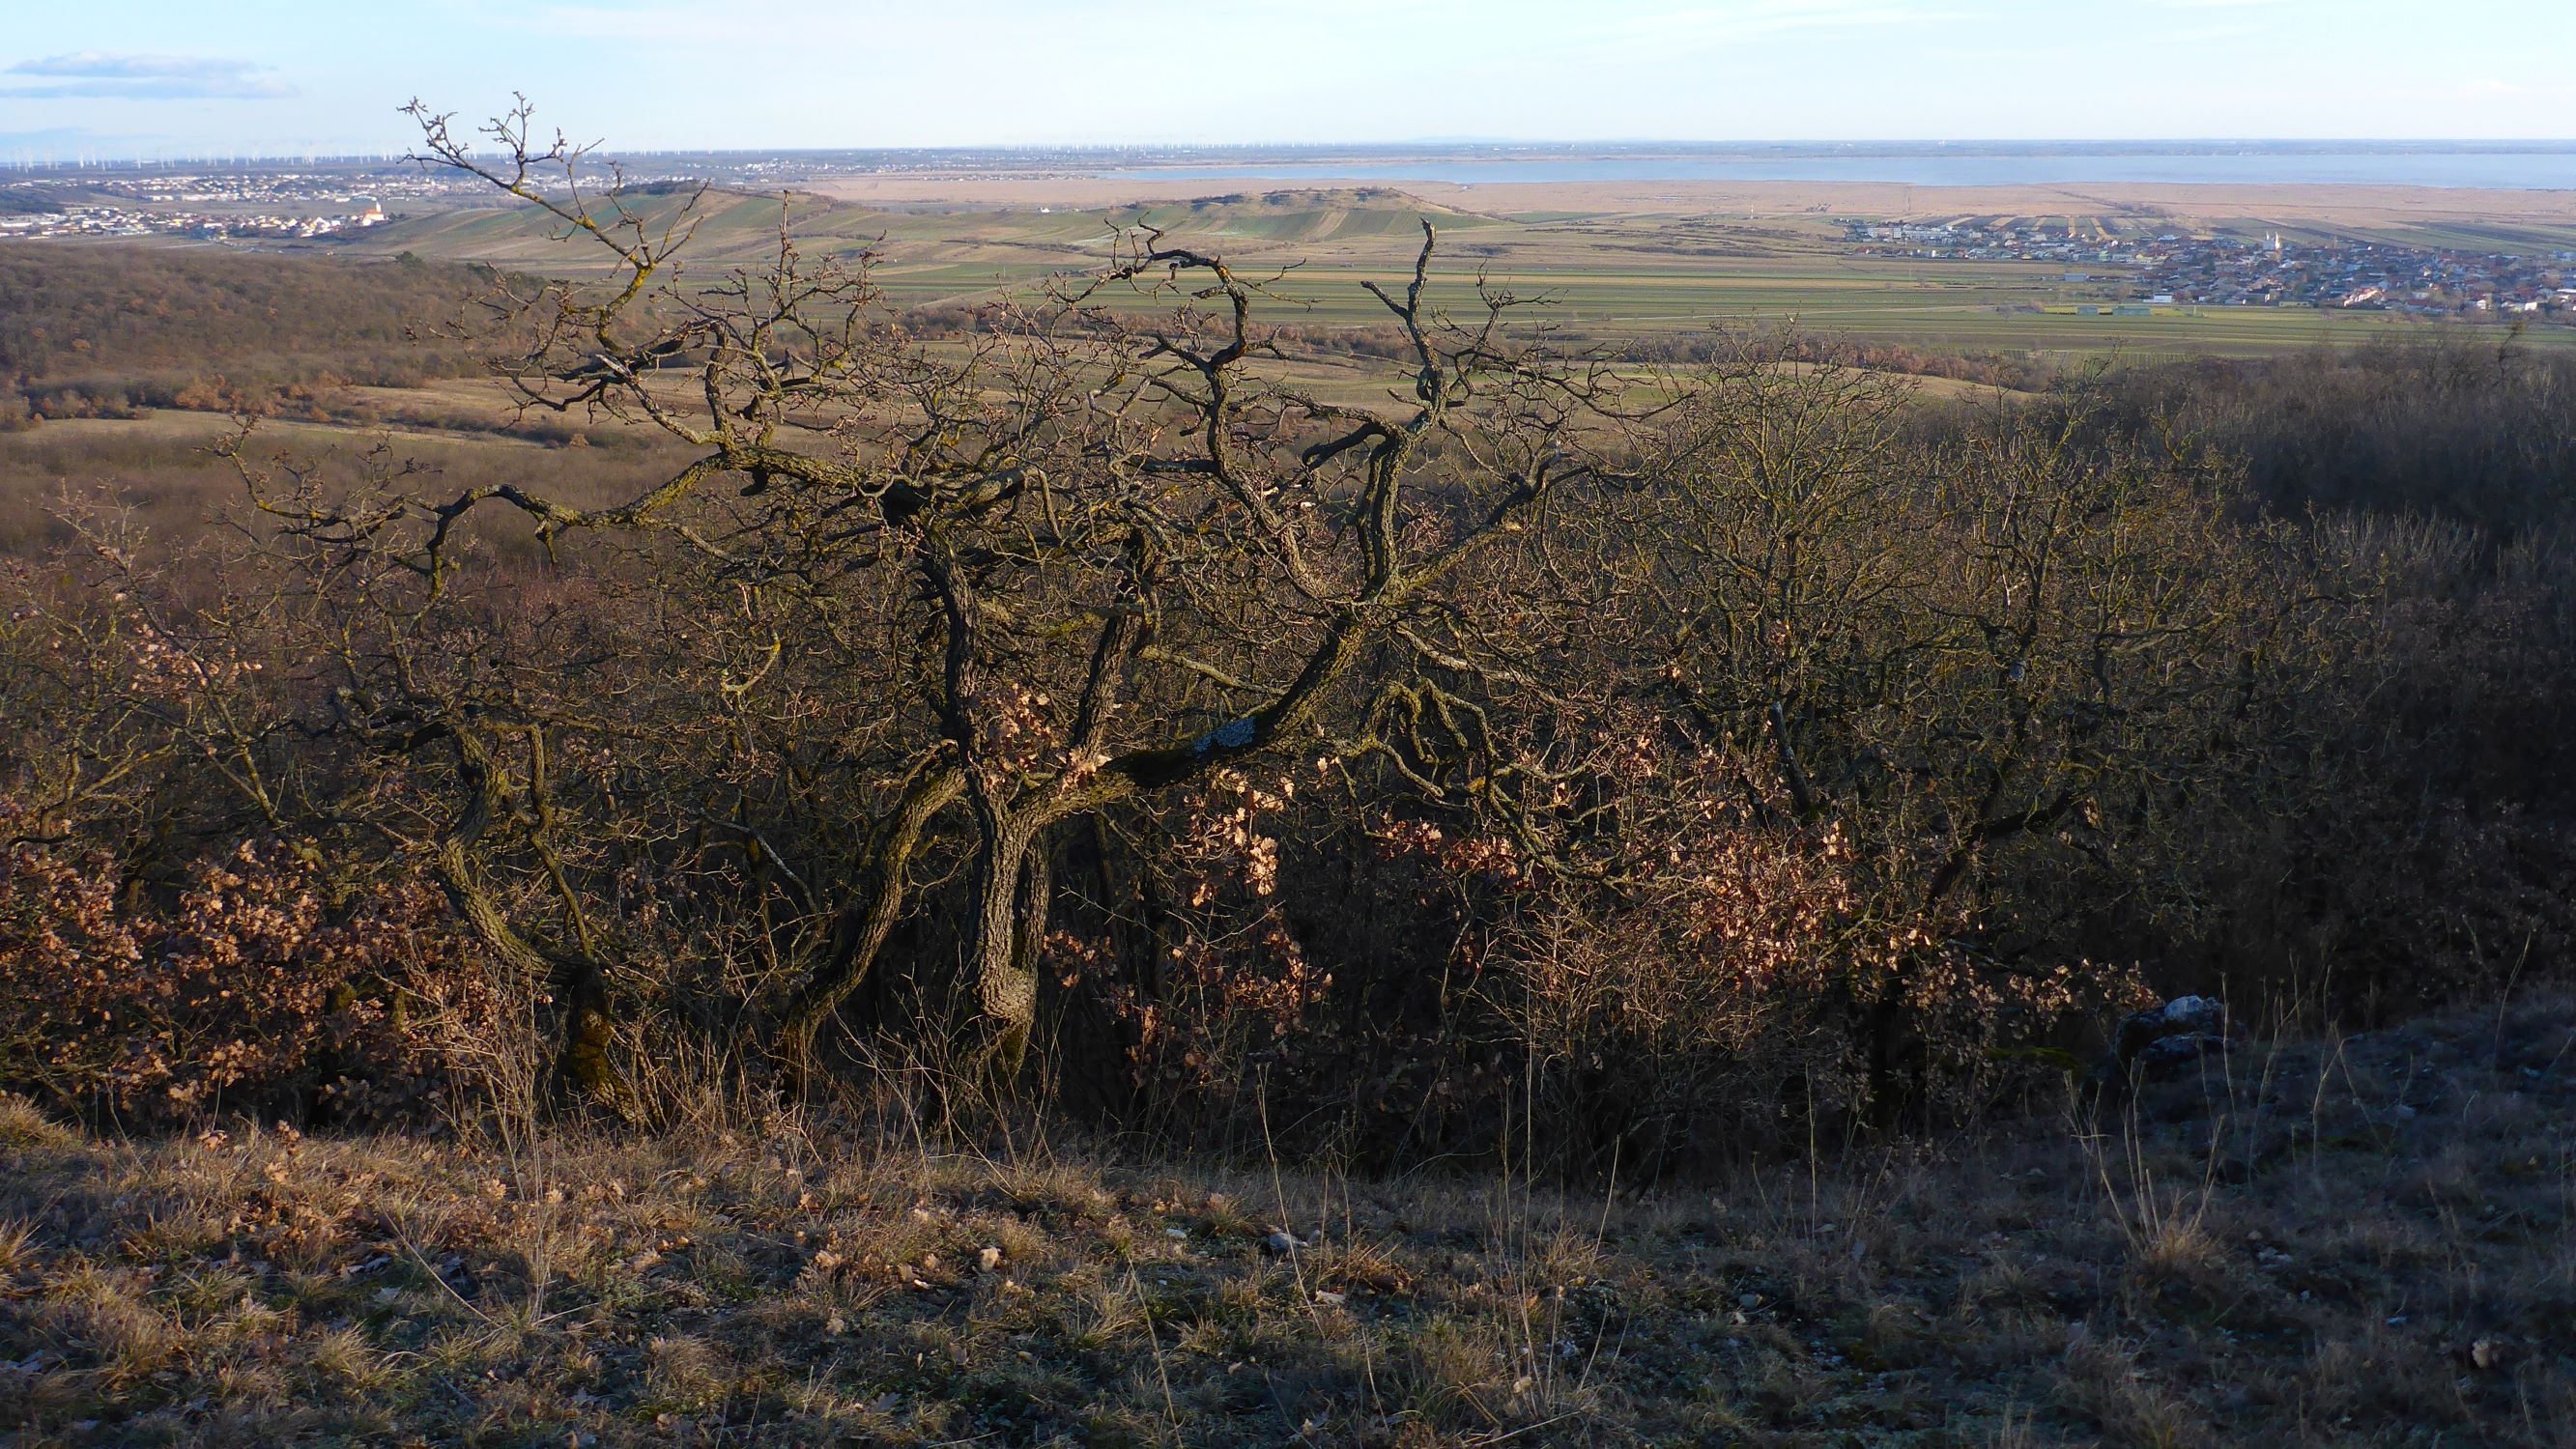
x,y
1554,1039
2354,1242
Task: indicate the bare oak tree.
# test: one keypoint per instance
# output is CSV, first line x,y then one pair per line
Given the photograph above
x,y
1096,551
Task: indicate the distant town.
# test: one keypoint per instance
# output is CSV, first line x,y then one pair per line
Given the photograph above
x,y
2144,272
261,204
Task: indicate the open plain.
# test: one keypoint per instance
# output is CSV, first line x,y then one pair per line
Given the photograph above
x,y
1613,260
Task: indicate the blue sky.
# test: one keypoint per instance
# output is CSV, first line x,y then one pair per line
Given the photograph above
x,y
284,75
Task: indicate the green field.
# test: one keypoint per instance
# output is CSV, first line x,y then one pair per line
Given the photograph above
x,y
1601,275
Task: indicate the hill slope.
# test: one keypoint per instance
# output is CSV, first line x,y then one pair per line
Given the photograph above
x,y
2363,1241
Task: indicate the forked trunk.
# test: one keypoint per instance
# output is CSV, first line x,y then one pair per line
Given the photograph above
x,y
865,926
1013,887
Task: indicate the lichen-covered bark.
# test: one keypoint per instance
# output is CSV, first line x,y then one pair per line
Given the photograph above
x,y
868,922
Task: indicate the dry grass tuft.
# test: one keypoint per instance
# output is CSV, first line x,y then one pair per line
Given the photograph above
x,y
25,1129
2368,1244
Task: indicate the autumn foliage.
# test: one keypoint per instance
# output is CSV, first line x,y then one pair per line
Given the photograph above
x,y
244,990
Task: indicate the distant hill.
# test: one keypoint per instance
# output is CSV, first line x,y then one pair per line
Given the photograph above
x,y
930,255
28,201
1306,216
118,323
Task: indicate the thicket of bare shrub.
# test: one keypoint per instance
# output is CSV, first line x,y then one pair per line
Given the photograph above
x,y
1666,768
2447,426
94,331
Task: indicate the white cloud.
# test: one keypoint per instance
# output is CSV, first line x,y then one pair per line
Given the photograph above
x,y
93,74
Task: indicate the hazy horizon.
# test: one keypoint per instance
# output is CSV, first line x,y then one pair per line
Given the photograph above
x,y
48,151
154,77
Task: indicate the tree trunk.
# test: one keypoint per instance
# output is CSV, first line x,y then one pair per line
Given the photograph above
x,y
865,926
1013,886
580,985
582,1062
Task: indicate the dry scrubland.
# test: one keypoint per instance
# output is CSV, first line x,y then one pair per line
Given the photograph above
x,y
1384,894
2355,1241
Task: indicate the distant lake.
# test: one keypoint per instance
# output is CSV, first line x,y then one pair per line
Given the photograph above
x,y
2534,170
